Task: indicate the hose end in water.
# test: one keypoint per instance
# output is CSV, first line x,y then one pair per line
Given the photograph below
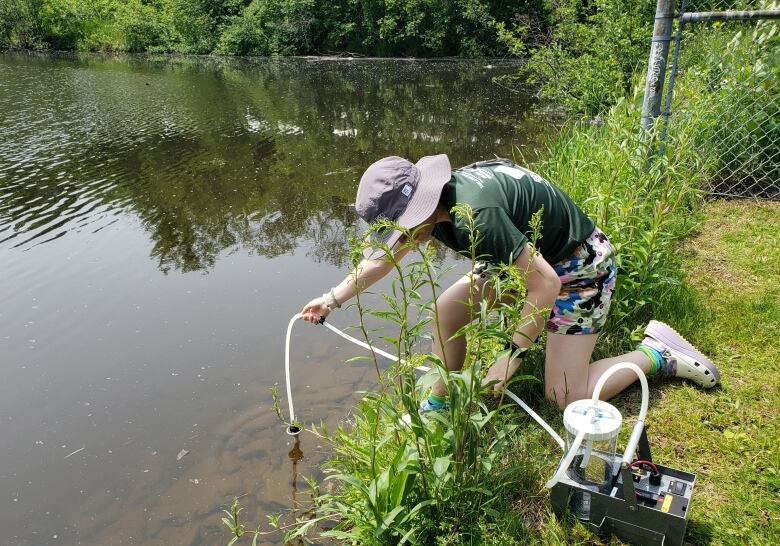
x,y
293,430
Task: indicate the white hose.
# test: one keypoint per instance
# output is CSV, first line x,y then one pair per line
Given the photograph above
x,y
633,441
394,358
287,365
535,416
367,346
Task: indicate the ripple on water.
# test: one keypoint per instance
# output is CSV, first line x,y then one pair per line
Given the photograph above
x,y
72,142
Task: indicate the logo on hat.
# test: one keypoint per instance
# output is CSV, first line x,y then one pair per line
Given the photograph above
x,y
407,190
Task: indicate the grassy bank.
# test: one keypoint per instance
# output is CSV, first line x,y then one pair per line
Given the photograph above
x,y
730,436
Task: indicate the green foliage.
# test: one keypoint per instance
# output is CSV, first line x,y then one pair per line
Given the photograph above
x,y
270,27
589,55
20,24
63,23
264,27
200,23
104,25
384,27
145,26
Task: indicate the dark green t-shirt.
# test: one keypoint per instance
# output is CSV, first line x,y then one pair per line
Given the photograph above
x,y
503,197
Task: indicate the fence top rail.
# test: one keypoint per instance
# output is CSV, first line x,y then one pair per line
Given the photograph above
x,y
705,16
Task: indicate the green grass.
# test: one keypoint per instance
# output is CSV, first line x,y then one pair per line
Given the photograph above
x,y
729,307
729,437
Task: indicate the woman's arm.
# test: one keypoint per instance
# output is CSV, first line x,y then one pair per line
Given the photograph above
x,y
364,275
542,288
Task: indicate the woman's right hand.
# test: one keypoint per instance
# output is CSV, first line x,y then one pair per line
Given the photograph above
x,y
314,310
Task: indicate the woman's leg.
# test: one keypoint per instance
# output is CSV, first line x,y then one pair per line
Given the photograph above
x,y
455,311
581,309
569,375
452,313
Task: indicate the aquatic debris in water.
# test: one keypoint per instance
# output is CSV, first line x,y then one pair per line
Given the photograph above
x,y
77,451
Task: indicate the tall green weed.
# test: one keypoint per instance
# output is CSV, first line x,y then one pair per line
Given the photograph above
x,y
646,207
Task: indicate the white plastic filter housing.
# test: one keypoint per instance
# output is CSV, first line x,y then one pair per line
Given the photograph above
x,y
602,427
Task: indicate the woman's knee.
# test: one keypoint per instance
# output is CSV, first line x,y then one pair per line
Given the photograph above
x,y
567,367
452,310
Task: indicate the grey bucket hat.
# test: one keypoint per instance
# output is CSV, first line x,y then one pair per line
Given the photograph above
x,y
402,191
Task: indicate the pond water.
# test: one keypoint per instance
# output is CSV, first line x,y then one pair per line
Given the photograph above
x,y
160,221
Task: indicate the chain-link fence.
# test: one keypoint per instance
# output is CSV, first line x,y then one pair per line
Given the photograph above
x,y
723,94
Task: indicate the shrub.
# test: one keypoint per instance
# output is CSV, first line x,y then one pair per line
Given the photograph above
x,y
20,25
63,24
270,27
200,23
144,26
587,56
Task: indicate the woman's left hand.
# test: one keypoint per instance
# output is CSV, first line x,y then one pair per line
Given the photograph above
x,y
315,310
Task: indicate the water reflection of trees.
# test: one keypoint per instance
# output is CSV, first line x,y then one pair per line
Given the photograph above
x,y
266,155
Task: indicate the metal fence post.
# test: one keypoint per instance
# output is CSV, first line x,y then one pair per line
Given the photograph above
x,y
672,75
656,66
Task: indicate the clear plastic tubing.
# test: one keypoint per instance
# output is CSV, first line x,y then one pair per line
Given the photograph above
x,y
294,430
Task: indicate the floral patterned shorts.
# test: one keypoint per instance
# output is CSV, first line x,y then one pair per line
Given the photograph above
x,y
587,281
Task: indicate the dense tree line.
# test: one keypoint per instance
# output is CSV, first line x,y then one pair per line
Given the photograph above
x,y
266,27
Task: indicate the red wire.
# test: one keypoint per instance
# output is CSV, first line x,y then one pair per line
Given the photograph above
x,y
645,463
648,463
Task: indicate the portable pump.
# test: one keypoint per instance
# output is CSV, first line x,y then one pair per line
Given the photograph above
x,y
635,499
